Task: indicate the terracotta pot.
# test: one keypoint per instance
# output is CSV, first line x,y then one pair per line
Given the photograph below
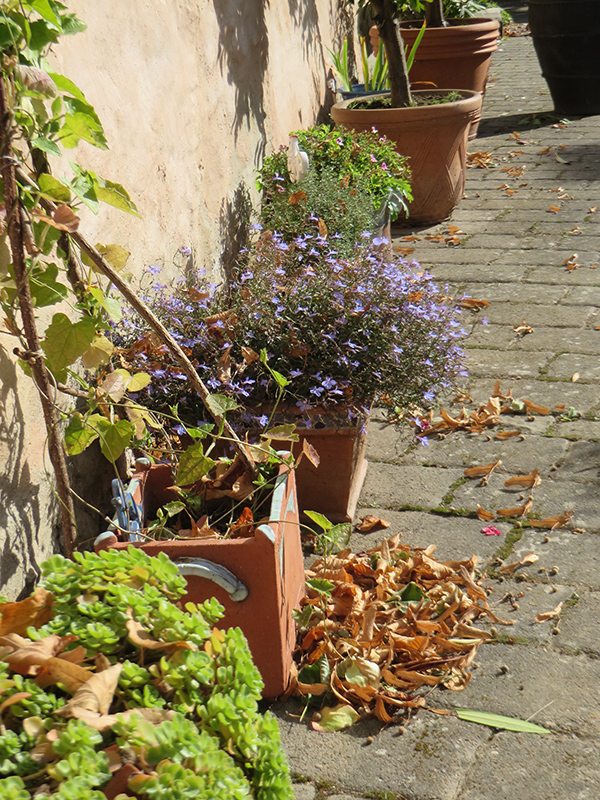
x,y
259,579
566,36
455,57
332,488
434,137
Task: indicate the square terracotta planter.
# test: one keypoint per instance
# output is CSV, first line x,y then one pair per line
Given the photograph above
x,y
332,488
259,580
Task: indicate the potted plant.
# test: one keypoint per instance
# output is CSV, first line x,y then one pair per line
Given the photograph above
x,y
303,335
374,71
111,685
355,182
566,36
455,50
431,127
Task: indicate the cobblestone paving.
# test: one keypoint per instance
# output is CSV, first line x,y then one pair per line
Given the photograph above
x,y
512,253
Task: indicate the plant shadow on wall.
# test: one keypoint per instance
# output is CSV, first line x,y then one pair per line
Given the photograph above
x,y
234,228
244,52
19,501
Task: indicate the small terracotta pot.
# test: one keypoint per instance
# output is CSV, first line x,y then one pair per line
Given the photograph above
x,y
434,137
457,56
259,579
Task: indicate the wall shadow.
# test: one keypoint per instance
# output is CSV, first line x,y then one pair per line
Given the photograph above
x,y
20,511
244,56
490,126
234,224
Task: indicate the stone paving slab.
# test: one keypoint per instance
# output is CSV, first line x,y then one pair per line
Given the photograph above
x,y
548,393
514,766
399,487
565,366
512,364
558,340
577,556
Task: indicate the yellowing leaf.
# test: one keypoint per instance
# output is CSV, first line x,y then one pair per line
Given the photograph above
x,y
116,255
138,382
334,718
98,353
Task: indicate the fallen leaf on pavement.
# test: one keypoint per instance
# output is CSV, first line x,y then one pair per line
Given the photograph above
x,y
571,263
518,511
481,159
535,408
523,329
544,616
558,521
473,303
575,377
526,561
554,208
503,435
484,514
371,523
483,471
525,481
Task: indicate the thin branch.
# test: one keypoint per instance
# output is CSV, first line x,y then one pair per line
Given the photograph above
x,y
35,358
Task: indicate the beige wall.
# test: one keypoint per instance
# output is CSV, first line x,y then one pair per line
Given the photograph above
x,y
191,93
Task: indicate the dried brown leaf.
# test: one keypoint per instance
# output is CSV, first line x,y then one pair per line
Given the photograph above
x,y
554,208
311,453
484,514
535,408
503,435
371,523
483,471
557,521
528,481
34,611
526,561
473,303
544,616
517,511
95,696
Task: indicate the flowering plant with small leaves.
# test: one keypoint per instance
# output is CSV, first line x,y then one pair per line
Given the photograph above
x,y
337,334
365,160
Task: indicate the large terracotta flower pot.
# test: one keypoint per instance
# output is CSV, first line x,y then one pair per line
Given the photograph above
x,y
434,137
455,57
258,579
566,36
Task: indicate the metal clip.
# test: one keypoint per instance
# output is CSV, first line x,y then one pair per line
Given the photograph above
x,y
210,571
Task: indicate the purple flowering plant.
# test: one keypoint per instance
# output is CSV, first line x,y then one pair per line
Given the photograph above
x,y
339,334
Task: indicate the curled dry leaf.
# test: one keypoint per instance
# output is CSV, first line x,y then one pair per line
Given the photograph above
x,y
544,616
517,511
523,329
26,657
528,481
483,471
558,521
535,408
35,611
575,377
554,208
484,514
140,637
371,523
473,303
311,454
526,561
95,696
503,435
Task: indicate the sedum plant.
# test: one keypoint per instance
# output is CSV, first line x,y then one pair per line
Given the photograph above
x,y
116,671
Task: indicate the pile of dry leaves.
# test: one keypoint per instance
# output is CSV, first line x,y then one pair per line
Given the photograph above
x,y
379,630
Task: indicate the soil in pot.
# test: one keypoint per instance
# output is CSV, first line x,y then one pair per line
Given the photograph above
x,y
566,36
457,56
434,137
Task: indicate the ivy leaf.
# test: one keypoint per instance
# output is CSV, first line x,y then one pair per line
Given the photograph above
x,y
285,433
45,10
138,382
220,404
110,304
321,585
79,435
10,33
53,188
114,436
115,195
47,145
45,289
67,86
320,519
116,255
84,125
193,465
98,353
66,341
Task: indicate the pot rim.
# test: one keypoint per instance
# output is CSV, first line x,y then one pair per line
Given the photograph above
x,y
483,23
469,101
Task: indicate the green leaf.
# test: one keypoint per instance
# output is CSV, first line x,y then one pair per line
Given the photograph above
x,y
72,24
339,535
411,593
320,519
53,188
41,35
45,10
10,33
45,289
499,721
285,433
114,436
98,353
173,508
67,86
111,305
220,404
138,382
321,585
115,195
336,718
280,379
66,341
47,145
80,125
116,255
193,465
78,435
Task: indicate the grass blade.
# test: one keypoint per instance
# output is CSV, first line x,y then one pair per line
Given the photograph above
x,y
499,721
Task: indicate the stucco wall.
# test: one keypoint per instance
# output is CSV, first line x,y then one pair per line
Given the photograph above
x,y
192,93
